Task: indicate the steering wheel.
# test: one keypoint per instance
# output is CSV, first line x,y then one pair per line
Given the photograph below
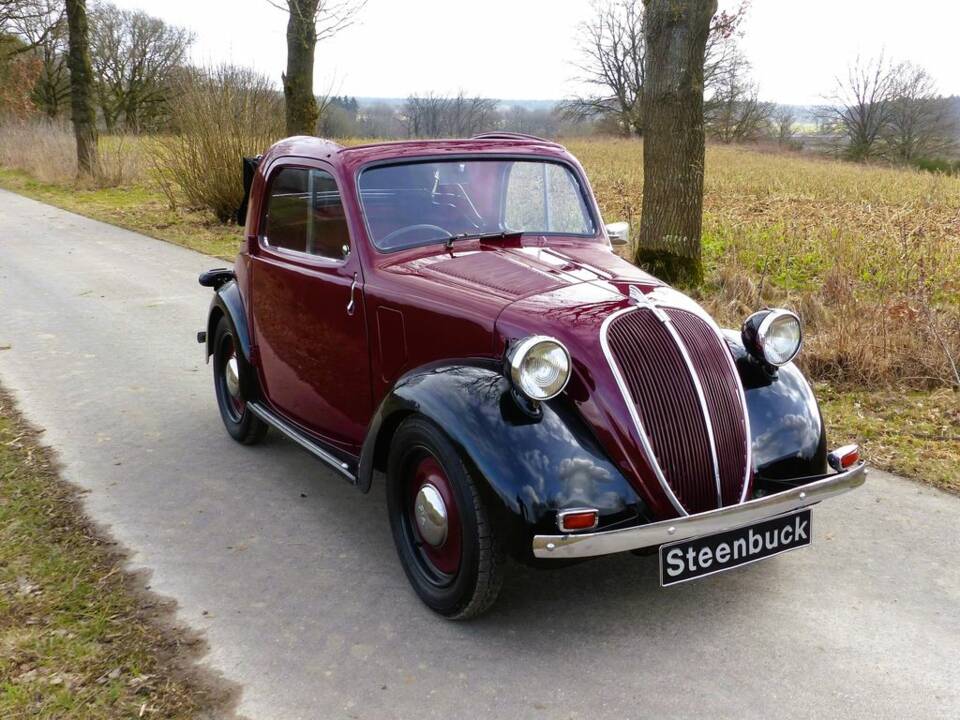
x,y
399,232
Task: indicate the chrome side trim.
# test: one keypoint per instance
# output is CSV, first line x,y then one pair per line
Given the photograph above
x,y
632,409
302,440
706,523
705,411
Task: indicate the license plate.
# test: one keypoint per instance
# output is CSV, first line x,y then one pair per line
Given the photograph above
x,y
710,554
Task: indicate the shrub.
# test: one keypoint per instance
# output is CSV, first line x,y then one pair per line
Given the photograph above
x,y
219,115
938,165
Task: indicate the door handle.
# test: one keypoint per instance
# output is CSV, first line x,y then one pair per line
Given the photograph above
x,y
352,306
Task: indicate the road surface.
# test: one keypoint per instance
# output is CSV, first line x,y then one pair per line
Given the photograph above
x,y
292,576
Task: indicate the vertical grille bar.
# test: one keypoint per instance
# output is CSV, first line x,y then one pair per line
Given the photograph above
x,y
723,398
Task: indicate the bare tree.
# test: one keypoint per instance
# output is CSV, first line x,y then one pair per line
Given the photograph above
x,y
468,116
783,120
14,16
42,26
380,120
723,51
918,122
542,122
309,22
134,56
433,116
81,89
735,112
423,115
613,51
673,150
862,105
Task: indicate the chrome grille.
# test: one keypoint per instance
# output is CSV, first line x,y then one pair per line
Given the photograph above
x,y
694,425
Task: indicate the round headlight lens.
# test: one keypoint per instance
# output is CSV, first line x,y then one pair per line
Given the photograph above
x,y
540,367
779,337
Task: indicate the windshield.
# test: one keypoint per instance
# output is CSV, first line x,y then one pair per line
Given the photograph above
x,y
421,203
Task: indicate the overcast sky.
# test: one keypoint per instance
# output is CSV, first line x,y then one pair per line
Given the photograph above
x,y
525,49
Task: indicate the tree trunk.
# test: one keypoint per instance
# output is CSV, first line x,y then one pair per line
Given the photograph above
x,y
301,104
673,145
84,114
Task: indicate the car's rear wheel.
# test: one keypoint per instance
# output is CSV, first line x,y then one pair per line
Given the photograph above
x,y
441,527
243,425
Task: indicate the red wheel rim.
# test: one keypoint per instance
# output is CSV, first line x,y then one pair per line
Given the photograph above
x,y
445,557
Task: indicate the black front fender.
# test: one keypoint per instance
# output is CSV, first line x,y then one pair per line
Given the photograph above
x,y
789,438
532,467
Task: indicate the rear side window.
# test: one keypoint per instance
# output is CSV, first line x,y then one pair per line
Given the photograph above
x,y
305,214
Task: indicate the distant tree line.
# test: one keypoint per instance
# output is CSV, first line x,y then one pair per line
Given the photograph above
x,y
892,111
431,115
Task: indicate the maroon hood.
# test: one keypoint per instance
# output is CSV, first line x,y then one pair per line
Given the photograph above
x,y
510,272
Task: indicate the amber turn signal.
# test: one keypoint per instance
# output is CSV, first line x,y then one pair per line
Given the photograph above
x,y
844,457
574,520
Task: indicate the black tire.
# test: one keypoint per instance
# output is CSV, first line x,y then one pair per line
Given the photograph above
x,y
243,425
476,583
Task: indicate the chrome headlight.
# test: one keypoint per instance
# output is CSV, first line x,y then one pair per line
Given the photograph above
x,y
773,336
539,367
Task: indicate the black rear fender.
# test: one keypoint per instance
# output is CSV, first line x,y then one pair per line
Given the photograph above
x,y
227,302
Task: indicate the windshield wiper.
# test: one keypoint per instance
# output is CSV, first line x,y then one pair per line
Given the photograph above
x,y
498,235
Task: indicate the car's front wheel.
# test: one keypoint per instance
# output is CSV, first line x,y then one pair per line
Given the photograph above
x,y
241,423
447,544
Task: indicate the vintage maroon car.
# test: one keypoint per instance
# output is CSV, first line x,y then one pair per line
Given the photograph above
x,y
451,314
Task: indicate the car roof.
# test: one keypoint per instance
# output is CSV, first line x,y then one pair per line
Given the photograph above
x,y
352,157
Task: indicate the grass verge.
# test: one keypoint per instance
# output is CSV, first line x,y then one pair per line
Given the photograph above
x,y
915,434
79,636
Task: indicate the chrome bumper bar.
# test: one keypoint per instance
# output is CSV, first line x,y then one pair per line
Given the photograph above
x,y
612,541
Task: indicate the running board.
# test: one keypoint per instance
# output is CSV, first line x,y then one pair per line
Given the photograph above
x,y
308,444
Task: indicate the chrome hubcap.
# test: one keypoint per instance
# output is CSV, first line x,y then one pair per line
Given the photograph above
x,y
232,373
431,515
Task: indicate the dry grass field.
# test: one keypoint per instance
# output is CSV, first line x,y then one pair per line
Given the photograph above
x,y
868,256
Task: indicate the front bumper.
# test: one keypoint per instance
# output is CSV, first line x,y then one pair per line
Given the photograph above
x,y
583,545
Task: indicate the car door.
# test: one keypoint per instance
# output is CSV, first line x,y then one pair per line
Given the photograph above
x,y
308,310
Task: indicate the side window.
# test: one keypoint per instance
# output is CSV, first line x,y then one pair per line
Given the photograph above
x,y
329,237
285,224
545,197
305,214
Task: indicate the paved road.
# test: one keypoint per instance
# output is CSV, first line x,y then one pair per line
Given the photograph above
x,y
304,603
